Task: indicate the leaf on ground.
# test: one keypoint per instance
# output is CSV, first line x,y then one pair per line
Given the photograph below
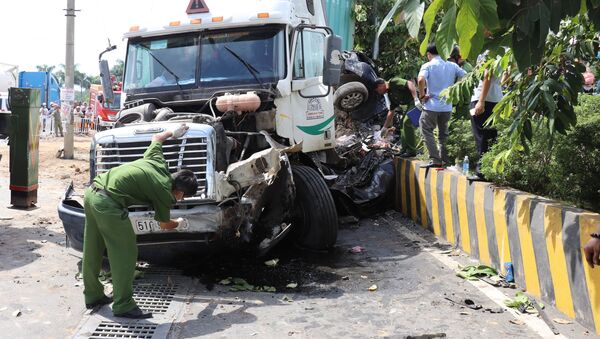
x,y
373,288
269,289
473,272
272,262
239,281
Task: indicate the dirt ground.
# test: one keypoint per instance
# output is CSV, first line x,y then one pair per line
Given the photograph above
x,y
51,167
39,295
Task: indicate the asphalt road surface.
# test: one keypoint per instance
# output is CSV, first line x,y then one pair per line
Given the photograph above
x,y
316,295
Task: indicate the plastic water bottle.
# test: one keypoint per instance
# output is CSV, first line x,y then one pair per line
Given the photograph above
x,y
510,276
465,168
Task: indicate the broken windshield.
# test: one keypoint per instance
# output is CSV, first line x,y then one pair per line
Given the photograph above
x,y
161,62
227,58
242,57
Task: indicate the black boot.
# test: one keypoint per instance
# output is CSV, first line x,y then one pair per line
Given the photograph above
x,y
135,313
102,301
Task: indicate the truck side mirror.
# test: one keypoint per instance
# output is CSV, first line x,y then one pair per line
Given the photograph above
x,y
332,65
109,96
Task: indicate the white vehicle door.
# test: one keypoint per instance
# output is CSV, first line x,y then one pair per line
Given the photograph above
x,y
311,100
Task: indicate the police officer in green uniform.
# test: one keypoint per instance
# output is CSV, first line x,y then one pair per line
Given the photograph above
x,y
399,91
143,181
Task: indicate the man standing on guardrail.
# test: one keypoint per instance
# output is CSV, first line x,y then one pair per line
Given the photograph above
x,y
107,226
486,96
435,76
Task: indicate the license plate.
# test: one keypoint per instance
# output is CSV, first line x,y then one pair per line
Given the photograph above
x,y
145,225
149,225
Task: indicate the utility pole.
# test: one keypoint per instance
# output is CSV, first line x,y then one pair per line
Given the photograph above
x,y
68,97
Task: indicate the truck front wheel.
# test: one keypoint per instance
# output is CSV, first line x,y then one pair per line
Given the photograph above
x,y
314,219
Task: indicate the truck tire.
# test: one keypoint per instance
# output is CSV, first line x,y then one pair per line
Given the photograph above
x,y
350,96
314,218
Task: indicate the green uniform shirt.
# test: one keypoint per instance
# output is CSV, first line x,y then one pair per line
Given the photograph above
x,y
143,181
399,93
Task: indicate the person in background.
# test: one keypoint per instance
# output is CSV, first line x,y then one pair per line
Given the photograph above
x,y
57,120
435,76
457,58
462,108
589,81
485,97
44,113
398,92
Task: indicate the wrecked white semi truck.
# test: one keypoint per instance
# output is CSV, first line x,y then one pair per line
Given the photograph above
x,y
253,80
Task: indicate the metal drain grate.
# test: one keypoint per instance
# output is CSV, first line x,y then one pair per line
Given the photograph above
x,y
152,297
161,271
115,330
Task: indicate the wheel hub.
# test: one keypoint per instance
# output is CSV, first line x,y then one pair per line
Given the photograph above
x,y
351,100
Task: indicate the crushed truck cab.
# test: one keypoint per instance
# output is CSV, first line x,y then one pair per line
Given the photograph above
x,y
253,80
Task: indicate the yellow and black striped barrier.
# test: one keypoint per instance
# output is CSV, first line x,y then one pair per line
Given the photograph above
x,y
543,239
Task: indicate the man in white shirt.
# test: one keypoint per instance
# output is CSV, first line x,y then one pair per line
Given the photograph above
x,y
485,97
436,75
44,115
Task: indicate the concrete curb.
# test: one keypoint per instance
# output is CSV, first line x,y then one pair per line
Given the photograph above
x,y
543,239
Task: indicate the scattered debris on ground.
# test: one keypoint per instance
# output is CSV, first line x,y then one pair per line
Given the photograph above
x,y
522,303
272,262
475,272
357,249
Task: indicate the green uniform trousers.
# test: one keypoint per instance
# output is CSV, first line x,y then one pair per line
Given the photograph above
x,y
407,137
58,125
107,227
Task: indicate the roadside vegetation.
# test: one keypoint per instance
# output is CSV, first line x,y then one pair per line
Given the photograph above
x,y
547,142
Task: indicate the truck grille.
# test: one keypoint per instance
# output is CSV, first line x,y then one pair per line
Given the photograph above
x,y
186,153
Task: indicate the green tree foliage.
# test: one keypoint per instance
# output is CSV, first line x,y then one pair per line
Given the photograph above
x,y
569,171
45,68
544,93
523,25
117,69
399,52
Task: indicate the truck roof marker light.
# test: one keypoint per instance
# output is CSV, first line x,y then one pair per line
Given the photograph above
x,y
217,19
174,23
263,15
134,28
196,21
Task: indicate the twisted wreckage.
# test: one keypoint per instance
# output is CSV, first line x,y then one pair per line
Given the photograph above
x,y
253,80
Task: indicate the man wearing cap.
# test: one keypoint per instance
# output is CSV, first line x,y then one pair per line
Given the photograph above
x,y
107,226
57,120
